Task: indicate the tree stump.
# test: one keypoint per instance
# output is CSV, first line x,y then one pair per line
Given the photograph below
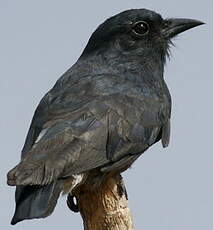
x,y
106,207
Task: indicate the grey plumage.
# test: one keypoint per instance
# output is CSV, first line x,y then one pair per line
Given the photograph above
x,y
101,115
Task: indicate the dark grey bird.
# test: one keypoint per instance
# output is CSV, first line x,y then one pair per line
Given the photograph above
x,y
102,114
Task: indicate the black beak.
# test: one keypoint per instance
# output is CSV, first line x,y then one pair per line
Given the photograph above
x,y
174,26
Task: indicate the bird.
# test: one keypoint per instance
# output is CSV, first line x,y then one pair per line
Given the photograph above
x,y
102,114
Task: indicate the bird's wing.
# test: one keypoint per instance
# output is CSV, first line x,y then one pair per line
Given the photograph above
x,y
89,125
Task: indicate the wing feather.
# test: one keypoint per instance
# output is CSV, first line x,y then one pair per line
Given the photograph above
x,y
89,126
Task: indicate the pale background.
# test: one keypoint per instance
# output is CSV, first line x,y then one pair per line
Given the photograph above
x,y
169,189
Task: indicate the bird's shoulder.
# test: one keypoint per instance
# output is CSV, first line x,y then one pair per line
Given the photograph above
x,y
87,100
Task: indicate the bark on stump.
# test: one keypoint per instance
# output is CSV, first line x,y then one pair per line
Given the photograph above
x,y
105,208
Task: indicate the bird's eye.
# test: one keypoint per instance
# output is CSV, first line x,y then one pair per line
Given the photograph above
x,y
140,28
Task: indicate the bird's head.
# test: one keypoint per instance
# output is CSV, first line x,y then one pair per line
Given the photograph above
x,y
137,32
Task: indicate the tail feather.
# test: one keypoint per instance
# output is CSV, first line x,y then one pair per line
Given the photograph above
x,y
36,201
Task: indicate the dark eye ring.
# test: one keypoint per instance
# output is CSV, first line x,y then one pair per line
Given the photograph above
x,y
140,28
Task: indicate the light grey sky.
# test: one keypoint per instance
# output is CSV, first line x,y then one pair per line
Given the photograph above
x,y
169,189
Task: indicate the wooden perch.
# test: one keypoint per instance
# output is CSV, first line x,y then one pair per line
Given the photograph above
x,y
105,208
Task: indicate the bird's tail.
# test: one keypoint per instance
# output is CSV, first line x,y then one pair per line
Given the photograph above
x,y
36,201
